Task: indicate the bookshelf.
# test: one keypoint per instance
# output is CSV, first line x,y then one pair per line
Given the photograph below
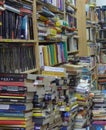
x,y
47,24
57,29
18,40
101,47
88,31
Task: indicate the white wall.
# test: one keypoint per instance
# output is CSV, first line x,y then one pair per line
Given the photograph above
x,y
101,2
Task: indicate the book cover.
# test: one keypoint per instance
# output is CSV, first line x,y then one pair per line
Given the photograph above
x,y
16,107
45,54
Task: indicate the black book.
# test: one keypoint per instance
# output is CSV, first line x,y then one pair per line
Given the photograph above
x,y
12,77
0,24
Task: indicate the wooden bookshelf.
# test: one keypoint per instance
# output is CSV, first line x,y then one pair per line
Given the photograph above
x,y
13,40
36,42
73,52
31,71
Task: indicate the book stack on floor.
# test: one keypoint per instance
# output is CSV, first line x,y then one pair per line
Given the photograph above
x,y
68,105
16,95
84,101
99,110
46,114
73,72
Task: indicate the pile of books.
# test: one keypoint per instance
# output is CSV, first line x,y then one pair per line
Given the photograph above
x,y
16,96
85,102
99,109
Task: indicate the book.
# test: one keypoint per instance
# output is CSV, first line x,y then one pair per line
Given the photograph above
x,y
45,54
41,56
16,107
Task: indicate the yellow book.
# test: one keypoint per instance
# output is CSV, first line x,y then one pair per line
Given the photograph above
x,y
51,73
16,97
38,114
81,97
14,118
45,54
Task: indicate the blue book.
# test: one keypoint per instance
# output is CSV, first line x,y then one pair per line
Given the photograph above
x,y
24,27
16,107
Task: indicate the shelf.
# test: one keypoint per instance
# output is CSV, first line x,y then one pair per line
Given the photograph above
x,y
58,64
17,40
90,41
69,4
72,52
47,41
30,71
90,26
102,40
50,7
101,75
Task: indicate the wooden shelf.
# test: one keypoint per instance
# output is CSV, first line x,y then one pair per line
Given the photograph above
x,y
17,40
72,52
47,41
58,64
101,75
30,71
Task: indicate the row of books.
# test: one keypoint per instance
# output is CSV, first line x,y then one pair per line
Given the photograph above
x,y
72,44
17,58
90,34
53,54
90,61
57,3
52,26
101,11
16,20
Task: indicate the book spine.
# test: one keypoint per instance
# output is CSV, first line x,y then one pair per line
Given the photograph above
x,y
12,100
11,89
13,107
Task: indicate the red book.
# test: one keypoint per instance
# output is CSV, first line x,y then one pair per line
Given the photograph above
x,y
7,83
12,122
23,10
13,94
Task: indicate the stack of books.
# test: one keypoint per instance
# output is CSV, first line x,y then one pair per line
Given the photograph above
x,y
99,109
84,101
16,96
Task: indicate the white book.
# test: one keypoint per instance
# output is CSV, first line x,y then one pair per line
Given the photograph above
x,y
41,56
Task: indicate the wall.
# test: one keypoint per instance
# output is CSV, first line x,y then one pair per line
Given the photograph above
x,y
101,2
